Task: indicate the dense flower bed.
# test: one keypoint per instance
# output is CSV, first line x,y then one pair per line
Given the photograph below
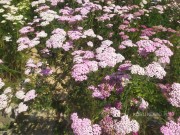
x,y
98,63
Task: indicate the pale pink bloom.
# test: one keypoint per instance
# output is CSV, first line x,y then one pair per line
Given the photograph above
x,y
30,95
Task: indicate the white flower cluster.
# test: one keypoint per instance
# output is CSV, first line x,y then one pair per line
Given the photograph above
x,y
10,12
6,99
30,95
3,101
1,83
36,3
136,69
47,17
21,108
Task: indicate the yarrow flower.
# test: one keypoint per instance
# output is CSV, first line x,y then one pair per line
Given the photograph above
x,y
30,95
174,94
155,70
126,43
57,39
115,112
136,69
106,55
143,105
21,108
156,46
1,83
83,65
126,126
20,94
171,128
84,126
116,81
3,101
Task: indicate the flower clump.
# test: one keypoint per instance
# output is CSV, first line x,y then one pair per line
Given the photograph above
x,y
100,45
8,95
174,94
115,123
84,126
171,128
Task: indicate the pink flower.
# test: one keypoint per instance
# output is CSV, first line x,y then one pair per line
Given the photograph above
x,y
143,105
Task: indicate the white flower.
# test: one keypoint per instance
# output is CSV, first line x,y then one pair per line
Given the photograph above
x,y
20,94
21,108
3,101
89,33
7,38
107,42
27,80
1,83
45,23
115,112
144,1
3,104
99,37
8,109
1,10
1,61
42,34
136,69
134,126
7,90
90,44
27,71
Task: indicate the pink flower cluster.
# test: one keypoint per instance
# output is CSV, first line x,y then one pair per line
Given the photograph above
x,y
71,31
126,43
171,128
55,2
84,126
174,94
106,55
114,123
37,68
143,105
126,126
83,64
158,47
115,81
140,103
